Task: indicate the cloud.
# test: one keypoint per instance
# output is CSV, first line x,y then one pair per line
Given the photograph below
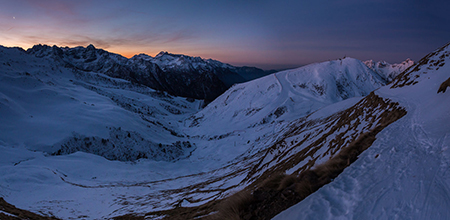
x,y
127,44
262,32
54,7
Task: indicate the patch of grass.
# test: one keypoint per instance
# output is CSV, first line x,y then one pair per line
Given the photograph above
x,y
231,208
287,181
273,182
444,86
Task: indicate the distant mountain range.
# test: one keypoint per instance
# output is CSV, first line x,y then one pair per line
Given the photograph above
x,y
179,75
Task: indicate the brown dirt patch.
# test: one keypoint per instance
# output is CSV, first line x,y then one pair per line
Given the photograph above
x,y
444,86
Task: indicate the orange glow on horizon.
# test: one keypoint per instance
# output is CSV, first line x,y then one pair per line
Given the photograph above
x,y
230,57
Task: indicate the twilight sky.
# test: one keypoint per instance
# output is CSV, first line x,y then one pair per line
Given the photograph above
x,y
263,33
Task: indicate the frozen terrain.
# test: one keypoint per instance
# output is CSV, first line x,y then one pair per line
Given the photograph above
x,y
76,138
405,173
176,74
389,71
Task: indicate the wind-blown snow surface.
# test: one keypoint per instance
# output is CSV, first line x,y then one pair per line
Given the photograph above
x,y
163,151
405,173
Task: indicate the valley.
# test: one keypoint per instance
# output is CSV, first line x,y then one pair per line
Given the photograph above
x,y
83,136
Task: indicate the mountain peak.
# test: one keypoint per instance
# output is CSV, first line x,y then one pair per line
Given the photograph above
x,y
386,70
90,47
210,77
141,56
162,53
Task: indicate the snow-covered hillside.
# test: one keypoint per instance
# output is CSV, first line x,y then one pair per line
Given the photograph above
x,y
77,143
288,95
48,107
404,174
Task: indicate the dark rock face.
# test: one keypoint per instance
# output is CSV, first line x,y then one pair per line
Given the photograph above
x,y
179,75
444,86
124,146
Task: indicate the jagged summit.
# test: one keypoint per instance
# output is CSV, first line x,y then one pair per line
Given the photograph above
x,y
162,53
389,71
180,62
141,56
90,47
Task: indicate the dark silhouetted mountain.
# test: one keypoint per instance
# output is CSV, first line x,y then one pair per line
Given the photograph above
x,y
179,75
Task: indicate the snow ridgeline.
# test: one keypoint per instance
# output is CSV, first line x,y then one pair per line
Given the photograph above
x,y
404,174
292,93
389,71
179,75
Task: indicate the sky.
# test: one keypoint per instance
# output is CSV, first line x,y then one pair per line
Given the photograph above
x,y
267,34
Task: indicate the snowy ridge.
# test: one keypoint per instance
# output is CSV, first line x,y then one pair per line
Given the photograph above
x,y
389,71
171,61
404,174
44,104
179,63
432,62
297,92
178,75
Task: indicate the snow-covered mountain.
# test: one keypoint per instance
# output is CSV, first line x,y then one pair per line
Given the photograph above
x,y
404,174
178,75
181,63
76,142
298,92
389,71
60,110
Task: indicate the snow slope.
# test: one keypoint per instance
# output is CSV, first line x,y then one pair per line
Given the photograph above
x,y
288,95
249,113
404,174
77,143
45,106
